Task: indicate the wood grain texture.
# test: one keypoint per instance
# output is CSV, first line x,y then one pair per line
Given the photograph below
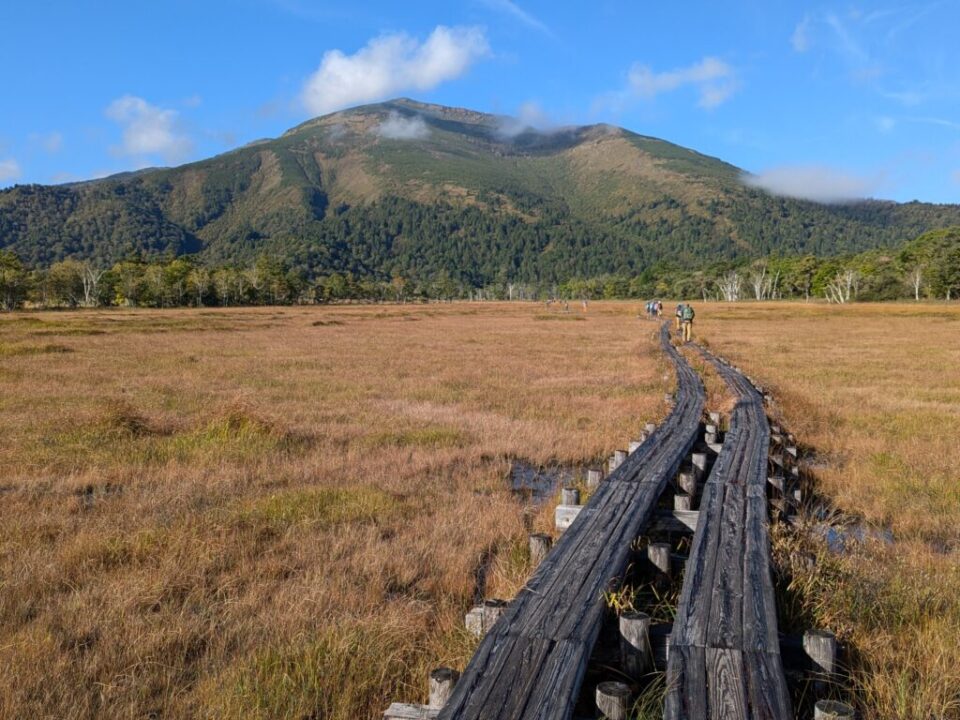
x,y
724,657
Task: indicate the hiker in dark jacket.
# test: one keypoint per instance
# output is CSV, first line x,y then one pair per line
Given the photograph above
x,y
679,316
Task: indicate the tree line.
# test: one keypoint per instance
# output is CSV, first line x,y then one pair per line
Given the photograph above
x,y
928,267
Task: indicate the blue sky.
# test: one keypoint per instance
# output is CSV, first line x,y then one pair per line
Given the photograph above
x,y
828,101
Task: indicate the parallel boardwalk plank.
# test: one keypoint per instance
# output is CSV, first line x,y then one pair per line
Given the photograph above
x,y
531,664
724,645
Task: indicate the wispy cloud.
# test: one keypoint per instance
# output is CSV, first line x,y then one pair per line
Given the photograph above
x,y
510,8
714,80
801,35
530,116
9,170
391,64
148,130
819,183
397,127
955,176
51,142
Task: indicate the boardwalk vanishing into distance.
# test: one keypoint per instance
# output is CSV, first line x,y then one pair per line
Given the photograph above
x,y
724,657
531,664
721,655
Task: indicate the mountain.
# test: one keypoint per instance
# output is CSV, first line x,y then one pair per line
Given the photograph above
x,y
406,188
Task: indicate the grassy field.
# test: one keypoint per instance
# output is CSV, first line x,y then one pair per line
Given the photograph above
x,y
873,391
280,513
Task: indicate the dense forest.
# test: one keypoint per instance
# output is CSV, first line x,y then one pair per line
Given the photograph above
x,y
927,267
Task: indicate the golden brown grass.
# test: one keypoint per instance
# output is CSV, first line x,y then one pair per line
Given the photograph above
x,y
280,513
875,390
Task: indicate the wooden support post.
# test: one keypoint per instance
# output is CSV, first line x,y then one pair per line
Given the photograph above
x,y
710,429
570,496
710,439
636,652
594,476
668,398
649,428
659,556
539,547
714,418
687,481
792,451
492,610
564,515
682,501
613,700
621,456
832,710
699,461
634,446
821,647
442,682
612,463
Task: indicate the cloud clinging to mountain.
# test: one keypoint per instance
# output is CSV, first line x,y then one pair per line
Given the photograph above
x,y
819,183
397,127
392,64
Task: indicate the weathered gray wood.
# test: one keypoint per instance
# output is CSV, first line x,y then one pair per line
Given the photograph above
x,y
613,700
442,682
649,428
620,456
594,477
406,711
539,547
714,418
699,462
564,515
682,502
832,710
659,556
724,659
821,647
531,664
570,496
687,481
636,651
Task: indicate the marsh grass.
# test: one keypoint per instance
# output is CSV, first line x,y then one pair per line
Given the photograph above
x,y
245,513
872,390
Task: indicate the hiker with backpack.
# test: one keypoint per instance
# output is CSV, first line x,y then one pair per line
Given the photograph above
x,y
679,316
686,319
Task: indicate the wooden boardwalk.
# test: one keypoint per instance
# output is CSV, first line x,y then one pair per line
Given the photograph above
x,y
724,656
531,664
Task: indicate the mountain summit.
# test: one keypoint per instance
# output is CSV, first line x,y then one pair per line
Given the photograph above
x,y
403,187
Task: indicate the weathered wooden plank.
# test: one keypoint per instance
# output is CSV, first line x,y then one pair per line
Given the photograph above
x,y
532,663
726,687
767,693
686,680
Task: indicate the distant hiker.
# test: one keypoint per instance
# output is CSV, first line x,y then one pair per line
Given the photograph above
x,y
686,317
659,308
584,304
566,306
679,315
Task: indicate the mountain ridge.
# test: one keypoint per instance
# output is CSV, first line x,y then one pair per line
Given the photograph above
x,y
403,187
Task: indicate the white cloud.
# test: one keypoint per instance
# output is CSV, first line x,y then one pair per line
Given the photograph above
x,y
149,130
801,35
814,182
51,142
9,170
530,116
390,64
398,127
715,80
511,8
